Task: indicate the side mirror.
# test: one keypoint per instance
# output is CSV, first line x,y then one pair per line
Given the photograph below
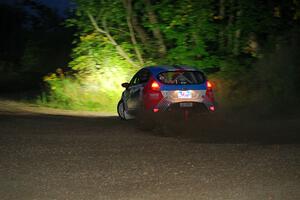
x,y
125,85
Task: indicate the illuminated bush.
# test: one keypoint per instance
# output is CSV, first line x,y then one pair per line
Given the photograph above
x,y
95,83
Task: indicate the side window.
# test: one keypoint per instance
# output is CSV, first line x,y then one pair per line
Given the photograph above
x,y
144,76
135,80
141,77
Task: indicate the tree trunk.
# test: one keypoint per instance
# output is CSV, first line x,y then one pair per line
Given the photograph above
x,y
105,31
221,18
156,31
141,33
236,44
237,35
230,27
128,7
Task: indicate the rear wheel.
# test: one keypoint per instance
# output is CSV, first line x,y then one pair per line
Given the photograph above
x,y
121,110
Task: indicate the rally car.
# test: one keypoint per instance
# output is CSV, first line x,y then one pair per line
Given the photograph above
x,y
165,89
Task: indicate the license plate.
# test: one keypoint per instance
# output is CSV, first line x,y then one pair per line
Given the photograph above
x,y
185,94
186,105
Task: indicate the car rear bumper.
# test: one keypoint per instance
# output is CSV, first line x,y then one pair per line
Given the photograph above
x,y
197,107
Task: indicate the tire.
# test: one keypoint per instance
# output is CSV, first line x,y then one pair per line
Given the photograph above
x,y
121,110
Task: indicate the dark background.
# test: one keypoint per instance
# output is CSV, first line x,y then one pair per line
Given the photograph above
x,y
34,42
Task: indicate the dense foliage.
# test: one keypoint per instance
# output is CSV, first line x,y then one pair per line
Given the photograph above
x,y
248,40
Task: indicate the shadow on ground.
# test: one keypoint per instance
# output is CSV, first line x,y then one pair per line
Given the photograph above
x,y
222,129
216,130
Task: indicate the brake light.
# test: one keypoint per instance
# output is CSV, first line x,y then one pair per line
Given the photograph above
x,y
155,110
152,95
209,93
209,85
212,108
155,86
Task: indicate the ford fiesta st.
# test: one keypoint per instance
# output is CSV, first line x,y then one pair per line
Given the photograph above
x,y
164,89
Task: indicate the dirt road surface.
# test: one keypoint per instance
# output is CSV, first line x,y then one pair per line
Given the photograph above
x,y
50,154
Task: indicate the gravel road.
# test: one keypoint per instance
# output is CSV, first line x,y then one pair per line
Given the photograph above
x,y
50,154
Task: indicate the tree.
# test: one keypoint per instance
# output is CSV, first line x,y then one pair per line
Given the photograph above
x,y
11,36
129,16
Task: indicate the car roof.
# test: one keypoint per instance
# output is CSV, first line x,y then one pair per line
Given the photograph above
x,y
158,69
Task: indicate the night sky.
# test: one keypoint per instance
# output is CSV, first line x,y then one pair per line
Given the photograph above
x,y
60,5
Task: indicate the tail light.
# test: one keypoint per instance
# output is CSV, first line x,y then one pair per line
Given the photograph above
x,y
152,95
209,85
155,110
212,108
209,91
155,86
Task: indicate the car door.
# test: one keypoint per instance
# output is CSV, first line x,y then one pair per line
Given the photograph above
x,y
135,90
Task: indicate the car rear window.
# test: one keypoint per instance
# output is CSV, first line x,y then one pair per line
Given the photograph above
x,y
181,77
